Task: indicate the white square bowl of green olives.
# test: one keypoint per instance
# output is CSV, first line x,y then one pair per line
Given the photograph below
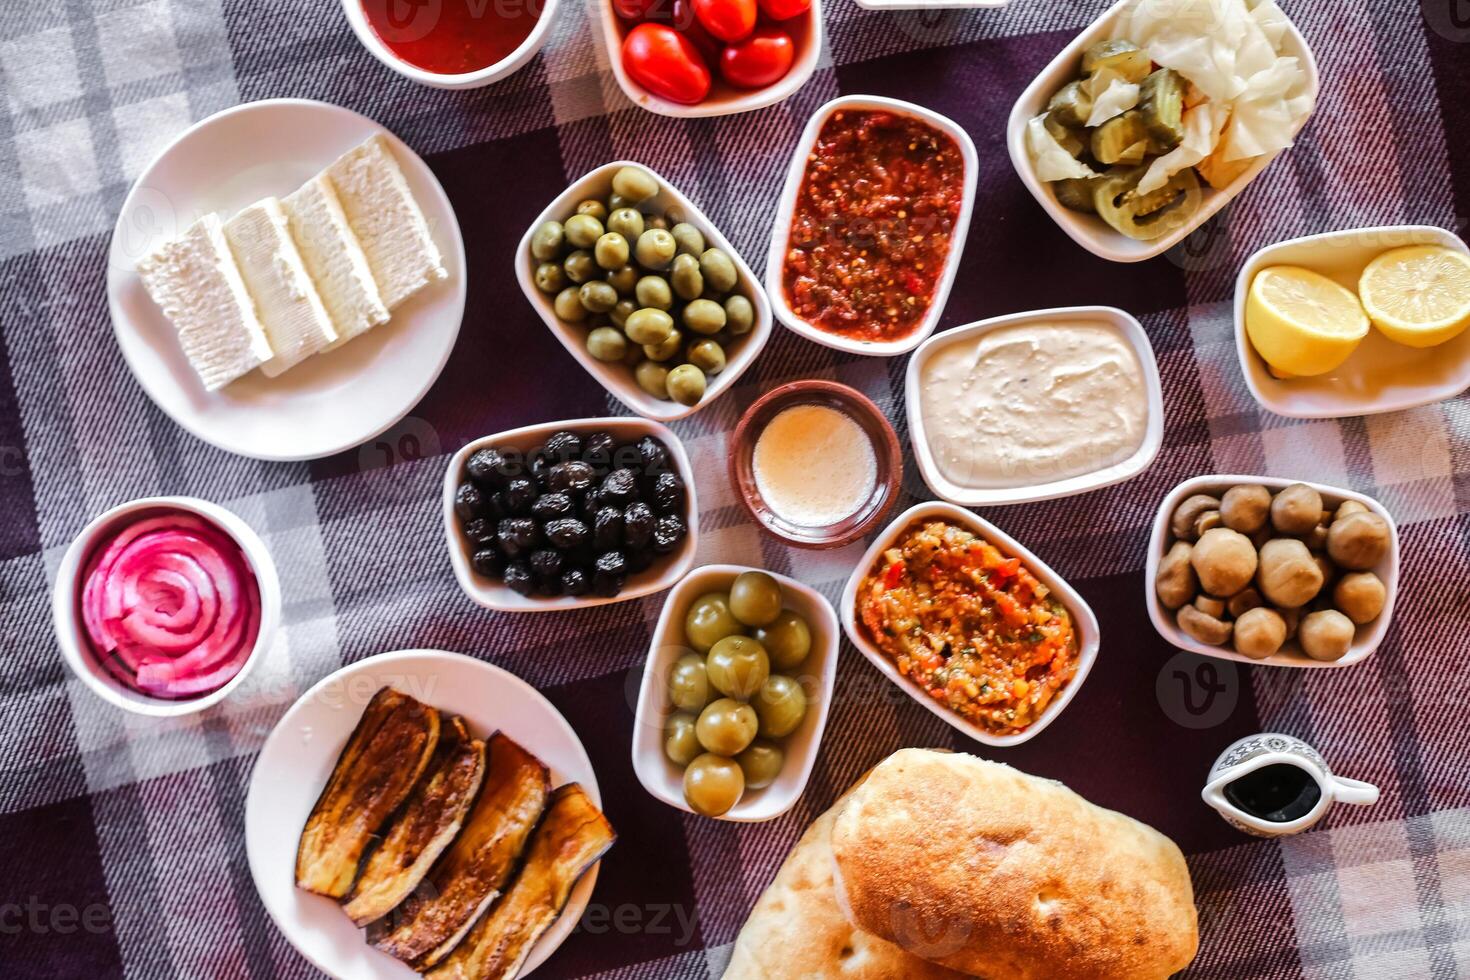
x,y
1088,230
618,376
816,673
1366,636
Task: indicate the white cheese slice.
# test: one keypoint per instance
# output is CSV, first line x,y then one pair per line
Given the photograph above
x,y
386,220
285,299
334,259
195,281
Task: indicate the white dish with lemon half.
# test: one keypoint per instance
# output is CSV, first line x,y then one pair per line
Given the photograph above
x,y
1380,374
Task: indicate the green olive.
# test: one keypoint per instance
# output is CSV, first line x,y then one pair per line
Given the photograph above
x,y
761,763
726,726
781,705
686,384
550,278
624,280
607,344
712,785
787,640
656,221
655,249
593,207
611,251
583,230
547,240
707,355
737,667
653,378
616,202
681,745
626,222
634,184
739,314
649,326
689,683
755,598
667,349
685,277
568,305
580,266
709,621
704,316
690,238
653,291
619,314
719,270
598,296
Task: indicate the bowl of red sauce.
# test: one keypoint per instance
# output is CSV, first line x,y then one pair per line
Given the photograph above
x,y
163,606
452,43
871,224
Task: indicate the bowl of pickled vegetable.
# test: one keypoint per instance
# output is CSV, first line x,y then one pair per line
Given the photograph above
x,y
735,693
643,291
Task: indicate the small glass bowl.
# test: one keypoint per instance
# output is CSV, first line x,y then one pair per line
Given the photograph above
x,y
854,405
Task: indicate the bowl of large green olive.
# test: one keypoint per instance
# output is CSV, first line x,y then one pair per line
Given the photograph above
x,y
735,693
643,291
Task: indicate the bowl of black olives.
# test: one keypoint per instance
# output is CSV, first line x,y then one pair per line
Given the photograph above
x,y
735,693
570,514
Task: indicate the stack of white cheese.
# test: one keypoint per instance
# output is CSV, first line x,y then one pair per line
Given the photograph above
x,y
290,277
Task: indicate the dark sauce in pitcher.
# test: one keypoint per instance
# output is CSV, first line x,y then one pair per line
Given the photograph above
x,y
1279,793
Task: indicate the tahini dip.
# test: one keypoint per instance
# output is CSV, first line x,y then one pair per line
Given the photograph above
x,y
1033,403
814,466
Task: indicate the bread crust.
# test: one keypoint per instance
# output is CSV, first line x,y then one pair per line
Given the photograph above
x,y
983,869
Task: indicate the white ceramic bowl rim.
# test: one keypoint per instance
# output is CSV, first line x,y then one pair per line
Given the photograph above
x,y
508,65
786,208
1083,619
1139,460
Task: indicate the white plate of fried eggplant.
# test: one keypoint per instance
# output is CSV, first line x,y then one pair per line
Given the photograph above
x,y
426,812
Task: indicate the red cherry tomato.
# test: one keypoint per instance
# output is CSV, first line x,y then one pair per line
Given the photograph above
x,y
634,10
784,9
687,24
663,61
759,60
728,20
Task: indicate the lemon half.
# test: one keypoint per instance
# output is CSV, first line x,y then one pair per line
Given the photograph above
x,y
1419,295
1301,322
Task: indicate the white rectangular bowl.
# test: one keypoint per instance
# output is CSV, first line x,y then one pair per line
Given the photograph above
x,y
723,99
1088,230
657,773
1380,376
617,378
1153,435
493,594
781,232
1084,621
1365,640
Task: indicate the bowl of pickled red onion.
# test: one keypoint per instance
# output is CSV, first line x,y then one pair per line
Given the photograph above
x,y
162,606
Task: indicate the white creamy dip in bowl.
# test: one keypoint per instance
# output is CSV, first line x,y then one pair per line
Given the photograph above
x,y
1034,406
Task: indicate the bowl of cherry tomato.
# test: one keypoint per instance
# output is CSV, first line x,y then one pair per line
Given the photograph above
x,y
711,57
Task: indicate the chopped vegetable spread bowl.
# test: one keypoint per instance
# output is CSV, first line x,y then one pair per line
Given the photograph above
x,y
1045,614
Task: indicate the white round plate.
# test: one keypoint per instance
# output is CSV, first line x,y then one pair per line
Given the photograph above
x,y
330,402
298,757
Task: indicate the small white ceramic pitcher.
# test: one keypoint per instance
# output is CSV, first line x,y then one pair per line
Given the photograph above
x,y
1258,751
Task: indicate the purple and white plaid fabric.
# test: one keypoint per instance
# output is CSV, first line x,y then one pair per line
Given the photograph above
x,y
121,840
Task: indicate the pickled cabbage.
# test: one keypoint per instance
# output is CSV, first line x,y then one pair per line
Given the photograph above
x,y
1052,160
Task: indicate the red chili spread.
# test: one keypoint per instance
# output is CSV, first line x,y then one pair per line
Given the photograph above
x,y
872,225
972,627
451,37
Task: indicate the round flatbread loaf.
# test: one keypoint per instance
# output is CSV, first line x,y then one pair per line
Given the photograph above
x,y
983,869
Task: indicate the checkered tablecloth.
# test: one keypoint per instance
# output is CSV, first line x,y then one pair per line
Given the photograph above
x,y
121,840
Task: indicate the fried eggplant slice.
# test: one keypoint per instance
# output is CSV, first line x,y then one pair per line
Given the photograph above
x,y
383,759
572,837
474,870
423,828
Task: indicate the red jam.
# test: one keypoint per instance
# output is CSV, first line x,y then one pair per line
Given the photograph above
x,y
451,37
872,226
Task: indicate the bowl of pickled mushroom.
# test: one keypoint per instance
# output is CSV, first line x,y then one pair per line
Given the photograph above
x,y
735,693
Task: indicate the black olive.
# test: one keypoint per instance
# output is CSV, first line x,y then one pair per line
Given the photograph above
x,y
480,532
597,451
496,505
563,446
574,581
520,493
607,529
620,488
590,504
668,493
638,560
653,455
516,536
566,532
546,562
539,466
550,506
518,577
667,533
573,475
488,562
638,525
488,468
609,573
468,501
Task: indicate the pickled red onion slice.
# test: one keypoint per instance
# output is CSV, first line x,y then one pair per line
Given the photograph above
x,y
171,606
